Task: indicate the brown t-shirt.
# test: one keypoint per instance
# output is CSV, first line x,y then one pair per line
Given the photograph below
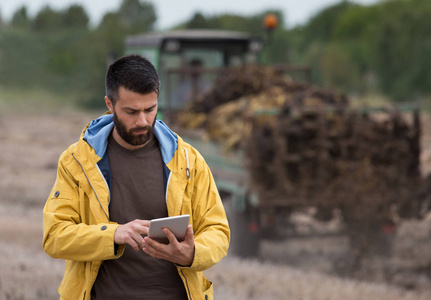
x,y
137,192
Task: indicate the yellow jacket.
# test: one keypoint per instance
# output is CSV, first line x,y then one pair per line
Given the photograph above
x,y
76,225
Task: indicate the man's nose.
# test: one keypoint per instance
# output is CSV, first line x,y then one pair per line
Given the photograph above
x,y
142,120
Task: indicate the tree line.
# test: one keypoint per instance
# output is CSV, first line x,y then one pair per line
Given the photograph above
x,y
59,50
381,48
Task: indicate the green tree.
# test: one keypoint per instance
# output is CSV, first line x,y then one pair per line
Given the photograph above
x,y
403,48
22,59
321,27
356,29
137,16
338,68
20,18
341,34
47,20
111,32
197,21
75,17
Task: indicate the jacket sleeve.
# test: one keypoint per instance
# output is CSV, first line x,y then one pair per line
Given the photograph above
x,y
210,224
65,236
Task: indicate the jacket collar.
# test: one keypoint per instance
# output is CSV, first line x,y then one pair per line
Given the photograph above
x,y
97,132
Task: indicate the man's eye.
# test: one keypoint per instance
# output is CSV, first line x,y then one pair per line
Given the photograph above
x,y
150,109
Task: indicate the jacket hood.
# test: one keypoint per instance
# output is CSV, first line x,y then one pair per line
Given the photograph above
x,y
98,131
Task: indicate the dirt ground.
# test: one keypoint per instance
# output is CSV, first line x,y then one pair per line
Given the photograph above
x,y
30,144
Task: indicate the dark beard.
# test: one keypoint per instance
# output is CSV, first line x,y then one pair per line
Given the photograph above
x,y
129,137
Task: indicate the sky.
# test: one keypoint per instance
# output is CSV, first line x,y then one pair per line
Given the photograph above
x,y
173,12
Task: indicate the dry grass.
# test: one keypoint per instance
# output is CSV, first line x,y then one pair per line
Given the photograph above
x,y
249,279
26,272
30,145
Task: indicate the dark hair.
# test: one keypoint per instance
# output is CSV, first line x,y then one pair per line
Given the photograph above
x,y
134,73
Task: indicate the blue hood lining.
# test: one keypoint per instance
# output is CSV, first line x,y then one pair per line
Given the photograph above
x,y
99,130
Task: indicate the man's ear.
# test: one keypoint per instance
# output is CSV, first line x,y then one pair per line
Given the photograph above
x,y
109,104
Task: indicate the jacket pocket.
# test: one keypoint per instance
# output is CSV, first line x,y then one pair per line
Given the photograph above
x,y
209,293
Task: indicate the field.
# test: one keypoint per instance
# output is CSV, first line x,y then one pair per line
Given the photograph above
x,y
30,144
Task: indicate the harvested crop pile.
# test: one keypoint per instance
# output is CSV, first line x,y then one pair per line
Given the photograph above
x,y
342,159
227,110
232,122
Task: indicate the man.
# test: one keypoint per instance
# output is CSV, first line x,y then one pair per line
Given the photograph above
x,y
127,168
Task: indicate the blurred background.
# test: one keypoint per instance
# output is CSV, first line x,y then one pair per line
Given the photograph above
x,y
361,47
325,175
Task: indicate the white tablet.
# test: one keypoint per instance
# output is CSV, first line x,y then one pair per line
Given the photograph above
x,y
177,225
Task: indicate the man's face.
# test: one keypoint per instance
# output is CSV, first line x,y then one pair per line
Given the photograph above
x,y
134,117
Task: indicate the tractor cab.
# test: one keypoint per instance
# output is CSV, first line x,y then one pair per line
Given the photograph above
x,y
189,61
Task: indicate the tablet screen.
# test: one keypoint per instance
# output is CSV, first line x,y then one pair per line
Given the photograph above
x,y
177,225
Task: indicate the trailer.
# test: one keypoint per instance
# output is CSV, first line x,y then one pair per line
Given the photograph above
x,y
189,62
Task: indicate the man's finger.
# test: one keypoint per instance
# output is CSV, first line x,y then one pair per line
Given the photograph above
x,y
133,243
153,247
135,240
140,241
190,234
171,237
141,226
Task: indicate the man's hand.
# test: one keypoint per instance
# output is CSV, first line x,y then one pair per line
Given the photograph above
x,y
131,233
181,253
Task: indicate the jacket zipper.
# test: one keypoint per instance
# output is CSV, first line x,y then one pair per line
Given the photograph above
x,y
103,177
188,177
187,285
88,179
